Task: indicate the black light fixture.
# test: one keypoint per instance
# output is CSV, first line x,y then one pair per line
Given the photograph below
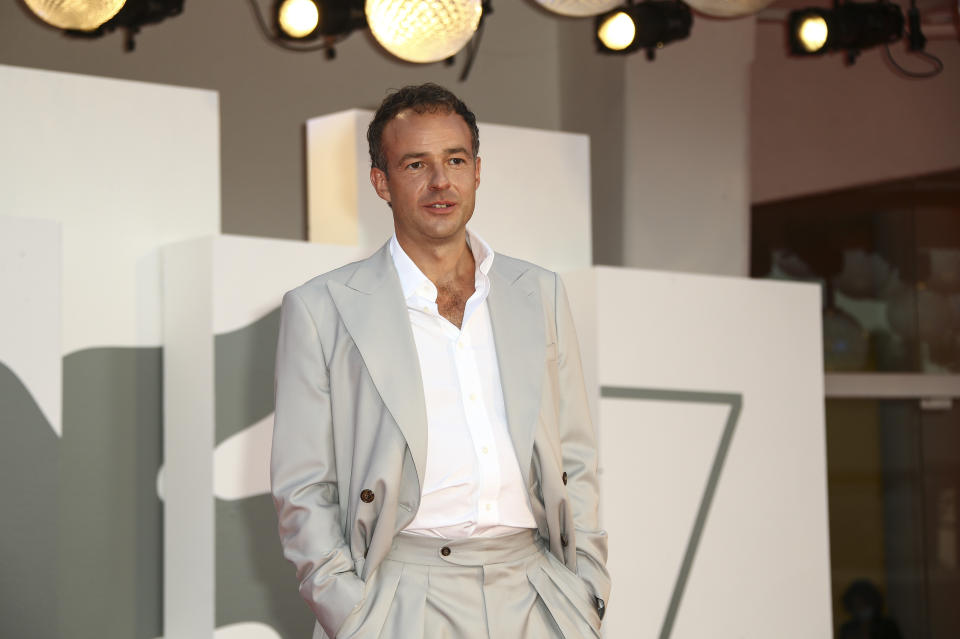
x,y
418,31
647,25
849,27
303,20
95,18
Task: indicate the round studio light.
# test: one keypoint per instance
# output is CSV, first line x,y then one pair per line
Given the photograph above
x,y
423,31
579,8
298,18
728,8
813,33
80,15
617,31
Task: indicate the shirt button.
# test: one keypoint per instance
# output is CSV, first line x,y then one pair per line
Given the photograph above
x,y
426,309
460,345
445,551
366,495
489,507
484,450
473,396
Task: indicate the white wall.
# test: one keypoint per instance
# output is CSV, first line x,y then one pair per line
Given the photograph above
x,y
709,396
74,150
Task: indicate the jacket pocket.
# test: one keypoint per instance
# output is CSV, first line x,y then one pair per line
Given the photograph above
x,y
565,596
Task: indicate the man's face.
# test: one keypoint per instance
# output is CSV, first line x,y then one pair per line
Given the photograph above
x,y
431,178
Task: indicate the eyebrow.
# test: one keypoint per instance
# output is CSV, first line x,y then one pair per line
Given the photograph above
x,y
422,154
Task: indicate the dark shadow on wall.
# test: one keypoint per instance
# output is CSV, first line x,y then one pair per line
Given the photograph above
x,y
83,555
253,581
29,472
83,558
111,548
244,365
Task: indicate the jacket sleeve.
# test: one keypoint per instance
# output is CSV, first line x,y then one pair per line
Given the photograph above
x,y
579,448
303,472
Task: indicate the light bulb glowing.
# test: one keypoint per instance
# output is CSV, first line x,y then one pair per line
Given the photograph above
x,y
421,31
617,32
81,15
813,33
298,18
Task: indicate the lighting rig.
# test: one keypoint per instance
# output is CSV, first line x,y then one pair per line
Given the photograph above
x,y
311,25
648,25
420,32
412,30
849,27
93,19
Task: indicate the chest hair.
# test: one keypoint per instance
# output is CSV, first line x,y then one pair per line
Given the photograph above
x,y
452,299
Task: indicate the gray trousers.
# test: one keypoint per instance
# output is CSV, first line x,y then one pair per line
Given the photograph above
x,y
494,588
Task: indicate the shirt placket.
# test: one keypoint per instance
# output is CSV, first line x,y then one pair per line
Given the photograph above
x,y
481,432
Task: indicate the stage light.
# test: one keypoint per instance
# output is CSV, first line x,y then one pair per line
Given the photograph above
x,y
93,18
653,24
812,33
297,18
579,8
617,31
80,15
423,31
849,27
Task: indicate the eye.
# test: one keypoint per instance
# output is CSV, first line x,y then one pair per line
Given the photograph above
x,y
415,165
457,161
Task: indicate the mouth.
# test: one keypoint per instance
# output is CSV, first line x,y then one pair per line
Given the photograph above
x,y
440,205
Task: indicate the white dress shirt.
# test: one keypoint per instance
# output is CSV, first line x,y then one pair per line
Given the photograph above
x,y
472,485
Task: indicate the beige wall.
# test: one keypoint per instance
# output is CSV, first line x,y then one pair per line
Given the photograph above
x,y
686,167
818,125
592,102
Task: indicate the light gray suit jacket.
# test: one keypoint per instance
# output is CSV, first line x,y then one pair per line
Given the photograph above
x,y
350,419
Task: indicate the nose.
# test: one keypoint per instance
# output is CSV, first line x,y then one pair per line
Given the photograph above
x,y
438,178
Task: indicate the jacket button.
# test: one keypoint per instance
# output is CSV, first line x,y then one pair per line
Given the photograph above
x,y
366,495
445,551
563,540
564,478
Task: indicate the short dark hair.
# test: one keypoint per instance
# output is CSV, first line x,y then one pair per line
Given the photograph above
x,y
421,98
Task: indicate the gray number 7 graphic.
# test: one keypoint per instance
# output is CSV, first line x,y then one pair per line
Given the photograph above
x,y
735,402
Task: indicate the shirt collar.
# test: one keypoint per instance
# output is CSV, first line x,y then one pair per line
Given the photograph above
x,y
412,278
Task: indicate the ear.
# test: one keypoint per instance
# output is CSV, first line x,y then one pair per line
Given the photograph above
x,y
379,181
476,173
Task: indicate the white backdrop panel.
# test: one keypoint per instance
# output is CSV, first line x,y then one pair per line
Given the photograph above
x,y
709,342
214,286
126,167
30,320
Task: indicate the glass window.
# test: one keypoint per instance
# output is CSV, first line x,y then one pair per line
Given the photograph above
x,y
888,260
894,496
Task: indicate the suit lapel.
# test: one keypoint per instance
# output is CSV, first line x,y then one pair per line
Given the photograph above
x,y
516,313
372,307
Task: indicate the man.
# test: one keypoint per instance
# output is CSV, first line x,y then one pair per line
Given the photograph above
x,y
434,465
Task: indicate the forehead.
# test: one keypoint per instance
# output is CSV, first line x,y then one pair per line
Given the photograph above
x,y
412,132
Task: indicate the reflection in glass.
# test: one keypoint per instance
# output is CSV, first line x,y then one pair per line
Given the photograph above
x,y
894,495
888,260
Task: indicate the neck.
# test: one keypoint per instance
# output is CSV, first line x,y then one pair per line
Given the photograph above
x,y
443,263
